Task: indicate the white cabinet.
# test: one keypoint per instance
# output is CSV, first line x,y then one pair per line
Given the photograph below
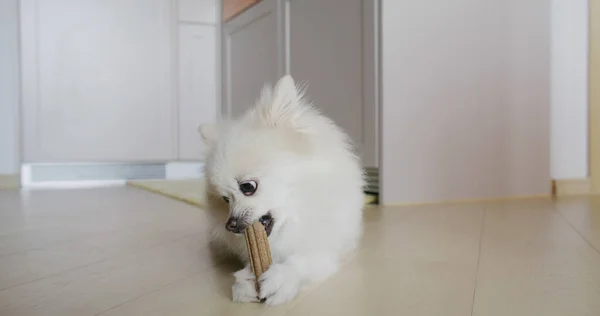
x,y
116,80
197,86
97,80
197,11
330,45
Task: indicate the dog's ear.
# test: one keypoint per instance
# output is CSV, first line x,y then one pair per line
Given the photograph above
x,y
280,105
285,91
209,133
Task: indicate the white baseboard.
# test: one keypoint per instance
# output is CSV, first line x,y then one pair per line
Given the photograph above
x,y
86,175
572,187
184,170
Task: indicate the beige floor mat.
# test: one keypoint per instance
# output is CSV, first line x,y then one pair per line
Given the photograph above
x,y
191,191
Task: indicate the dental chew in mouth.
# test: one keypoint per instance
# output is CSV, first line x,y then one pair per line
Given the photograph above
x,y
259,251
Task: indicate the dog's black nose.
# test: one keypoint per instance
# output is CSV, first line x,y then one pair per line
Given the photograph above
x,y
231,224
235,225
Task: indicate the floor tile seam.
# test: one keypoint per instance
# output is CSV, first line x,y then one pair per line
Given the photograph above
x,y
136,252
568,222
162,287
479,251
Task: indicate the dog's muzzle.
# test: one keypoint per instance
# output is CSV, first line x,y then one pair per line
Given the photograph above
x,y
238,225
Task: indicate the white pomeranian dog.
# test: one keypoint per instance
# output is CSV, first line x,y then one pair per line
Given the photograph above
x,y
284,164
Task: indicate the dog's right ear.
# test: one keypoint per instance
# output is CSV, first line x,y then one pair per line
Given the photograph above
x,y
209,134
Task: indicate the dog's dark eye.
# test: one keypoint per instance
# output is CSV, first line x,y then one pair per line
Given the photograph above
x,y
248,187
226,199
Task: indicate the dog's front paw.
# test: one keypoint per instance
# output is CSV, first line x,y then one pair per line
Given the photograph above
x,y
244,289
278,285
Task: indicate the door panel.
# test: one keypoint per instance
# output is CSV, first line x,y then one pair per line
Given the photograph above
x,y
250,56
97,80
332,46
326,42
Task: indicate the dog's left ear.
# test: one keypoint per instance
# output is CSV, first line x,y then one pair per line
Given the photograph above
x,y
281,106
209,134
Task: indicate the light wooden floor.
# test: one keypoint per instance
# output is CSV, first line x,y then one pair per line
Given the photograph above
x,y
122,251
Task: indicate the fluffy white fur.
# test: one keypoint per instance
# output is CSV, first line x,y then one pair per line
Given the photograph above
x,y
309,179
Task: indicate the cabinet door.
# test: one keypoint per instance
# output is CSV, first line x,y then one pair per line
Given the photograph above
x,y
197,88
250,56
332,48
97,80
197,11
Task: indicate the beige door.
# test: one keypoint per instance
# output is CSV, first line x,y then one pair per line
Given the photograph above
x,y
595,94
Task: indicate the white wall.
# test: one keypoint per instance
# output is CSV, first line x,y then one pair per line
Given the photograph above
x,y
569,118
465,99
9,87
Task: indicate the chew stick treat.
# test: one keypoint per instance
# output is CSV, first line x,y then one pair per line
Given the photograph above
x,y
258,250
